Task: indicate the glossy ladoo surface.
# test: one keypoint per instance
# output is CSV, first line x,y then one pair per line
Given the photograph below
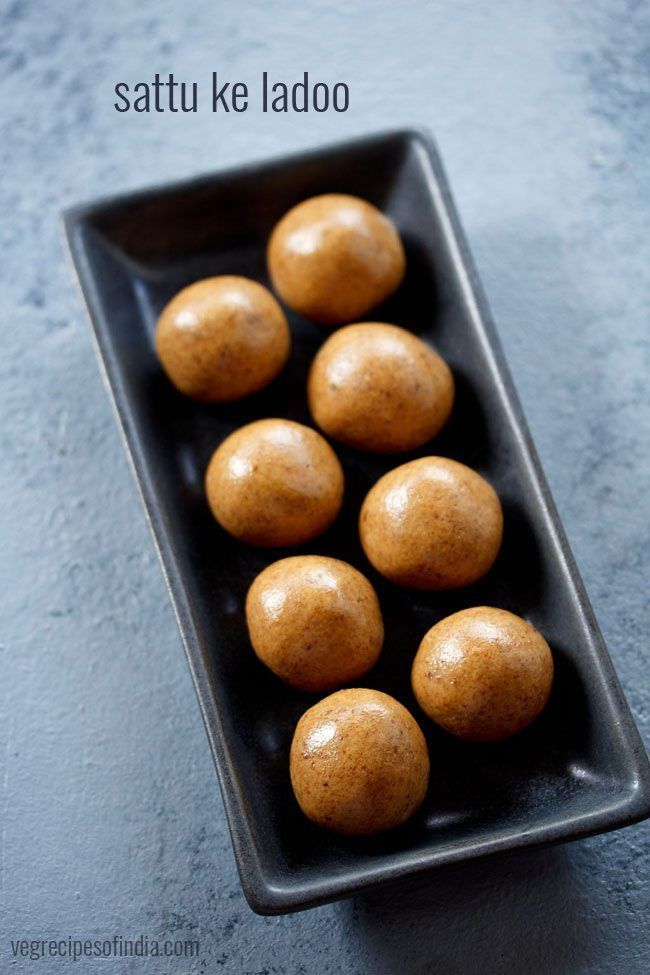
x,y
432,524
483,674
379,387
314,621
222,338
335,257
359,763
274,482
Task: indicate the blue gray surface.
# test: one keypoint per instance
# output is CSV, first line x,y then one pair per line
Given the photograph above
x,y
112,821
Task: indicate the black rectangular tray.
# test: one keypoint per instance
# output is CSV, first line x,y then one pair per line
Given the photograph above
x,y
581,768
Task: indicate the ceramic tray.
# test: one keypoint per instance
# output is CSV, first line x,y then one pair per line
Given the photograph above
x,y
578,770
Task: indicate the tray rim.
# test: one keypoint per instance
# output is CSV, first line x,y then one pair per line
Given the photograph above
x,y
269,897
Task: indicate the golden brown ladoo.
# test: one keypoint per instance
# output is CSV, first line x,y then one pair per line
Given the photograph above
x,y
378,387
359,762
431,524
334,257
483,674
274,482
222,338
314,621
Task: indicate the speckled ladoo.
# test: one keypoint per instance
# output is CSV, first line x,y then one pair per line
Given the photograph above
x,y
222,338
334,257
378,387
314,621
274,482
359,762
431,524
483,673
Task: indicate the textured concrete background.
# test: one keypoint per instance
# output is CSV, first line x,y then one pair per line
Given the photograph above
x,y
112,819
